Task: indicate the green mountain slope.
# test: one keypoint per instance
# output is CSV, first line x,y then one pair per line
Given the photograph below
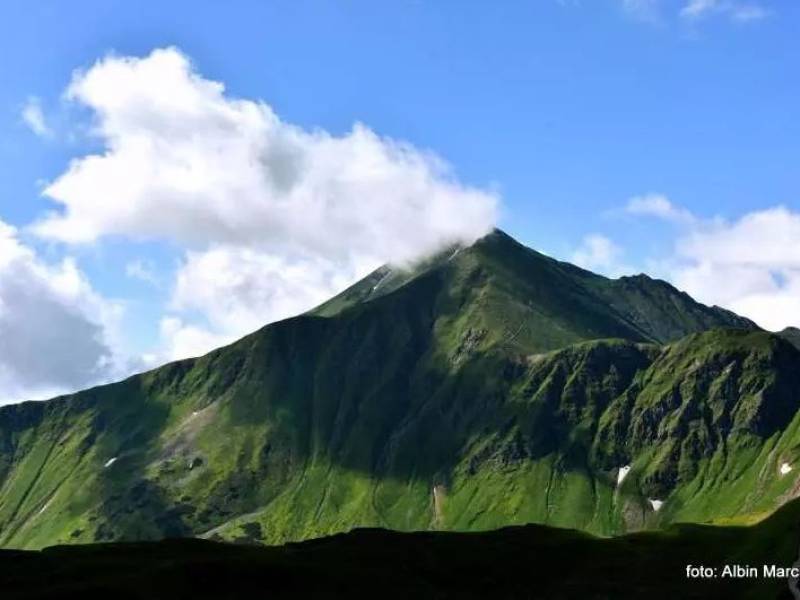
x,y
489,386
539,303
533,561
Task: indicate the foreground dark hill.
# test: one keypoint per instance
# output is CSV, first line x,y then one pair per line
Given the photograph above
x,y
489,386
524,562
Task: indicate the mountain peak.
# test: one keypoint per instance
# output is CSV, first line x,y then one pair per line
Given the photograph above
x,y
530,302
791,334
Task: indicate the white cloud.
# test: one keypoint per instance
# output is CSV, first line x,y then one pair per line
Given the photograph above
x,y
57,333
697,8
181,340
658,205
284,216
736,11
768,238
223,170
748,13
771,299
660,11
599,253
239,290
33,117
750,265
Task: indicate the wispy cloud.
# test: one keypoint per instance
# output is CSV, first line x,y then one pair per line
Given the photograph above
x,y
698,8
746,14
692,11
658,205
33,117
142,270
741,12
643,10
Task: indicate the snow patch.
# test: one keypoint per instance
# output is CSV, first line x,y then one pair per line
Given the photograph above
x,y
110,462
381,280
438,500
656,504
44,508
785,468
622,473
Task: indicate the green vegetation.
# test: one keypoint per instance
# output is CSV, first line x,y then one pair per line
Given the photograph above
x,y
486,387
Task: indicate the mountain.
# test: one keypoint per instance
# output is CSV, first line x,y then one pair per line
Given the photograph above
x,y
791,334
487,386
531,561
535,303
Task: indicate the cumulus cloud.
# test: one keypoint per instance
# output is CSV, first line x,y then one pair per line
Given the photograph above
x,y
181,340
55,329
239,289
765,238
225,170
750,265
284,215
33,117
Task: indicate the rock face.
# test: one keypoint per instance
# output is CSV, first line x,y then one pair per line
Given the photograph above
x,y
484,387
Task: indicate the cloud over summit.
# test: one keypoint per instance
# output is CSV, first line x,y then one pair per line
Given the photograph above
x,y
185,162
291,214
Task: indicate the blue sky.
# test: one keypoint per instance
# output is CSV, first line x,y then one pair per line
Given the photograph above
x,y
626,135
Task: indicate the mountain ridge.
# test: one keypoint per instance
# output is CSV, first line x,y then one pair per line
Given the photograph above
x,y
482,390
624,296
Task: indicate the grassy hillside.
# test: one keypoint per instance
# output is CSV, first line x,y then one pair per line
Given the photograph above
x,y
523,562
489,386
